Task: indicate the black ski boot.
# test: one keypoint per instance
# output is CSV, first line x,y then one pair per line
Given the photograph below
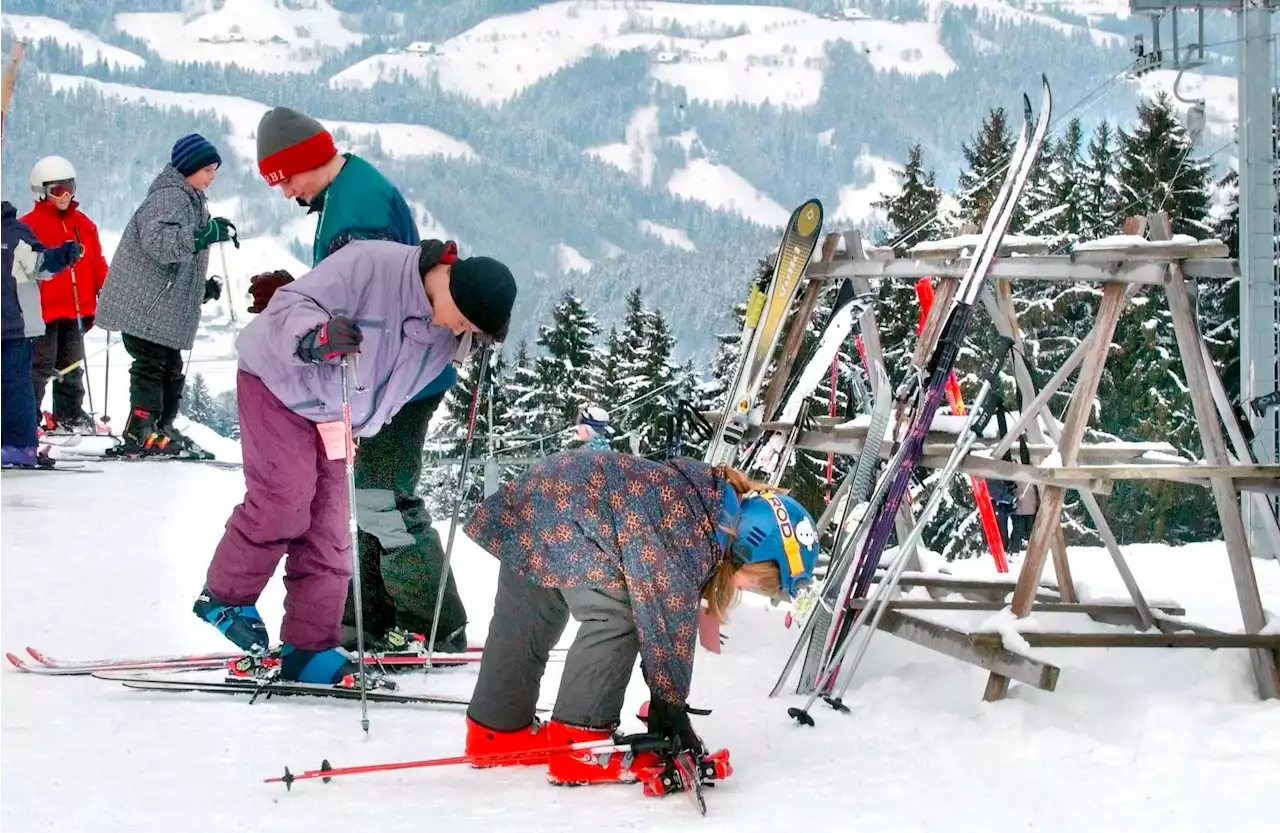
x,y
239,623
141,437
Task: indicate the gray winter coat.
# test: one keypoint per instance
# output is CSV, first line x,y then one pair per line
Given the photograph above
x,y
155,285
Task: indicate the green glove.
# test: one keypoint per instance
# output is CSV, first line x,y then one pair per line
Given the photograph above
x,y
216,230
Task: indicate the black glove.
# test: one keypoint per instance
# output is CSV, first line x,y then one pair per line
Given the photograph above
x,y
57,258
212,290
339,337
263,286
672,722
217,230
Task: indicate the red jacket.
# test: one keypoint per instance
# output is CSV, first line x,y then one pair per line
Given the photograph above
x,y
55,227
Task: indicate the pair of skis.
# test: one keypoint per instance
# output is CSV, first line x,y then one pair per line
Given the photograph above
x,y
893,486
767,309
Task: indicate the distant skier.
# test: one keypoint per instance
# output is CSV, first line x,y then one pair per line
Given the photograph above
x,y
400,553
630,548
593,427
404,314
157,282
70,298
26,261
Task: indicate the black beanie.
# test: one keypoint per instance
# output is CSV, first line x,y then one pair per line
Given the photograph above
x,y
484,291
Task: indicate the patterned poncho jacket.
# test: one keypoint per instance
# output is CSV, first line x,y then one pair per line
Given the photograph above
x,y
599,519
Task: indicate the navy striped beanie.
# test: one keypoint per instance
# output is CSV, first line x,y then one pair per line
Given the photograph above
x,y
193,152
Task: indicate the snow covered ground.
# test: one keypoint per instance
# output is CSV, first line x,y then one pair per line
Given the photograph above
x,y
107,564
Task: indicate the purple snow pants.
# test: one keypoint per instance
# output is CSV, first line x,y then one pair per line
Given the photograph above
x,y
296,503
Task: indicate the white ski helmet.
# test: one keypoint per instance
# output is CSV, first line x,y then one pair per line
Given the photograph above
x,y
50,169
595,417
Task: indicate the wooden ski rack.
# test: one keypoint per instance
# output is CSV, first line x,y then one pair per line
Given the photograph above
x,y
1122,267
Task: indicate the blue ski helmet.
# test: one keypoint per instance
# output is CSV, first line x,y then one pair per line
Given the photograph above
x,y
777,528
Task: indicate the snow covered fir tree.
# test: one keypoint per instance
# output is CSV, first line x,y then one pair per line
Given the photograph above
x,y
405,372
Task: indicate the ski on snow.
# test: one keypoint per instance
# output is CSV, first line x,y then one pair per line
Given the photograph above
x,y
271,688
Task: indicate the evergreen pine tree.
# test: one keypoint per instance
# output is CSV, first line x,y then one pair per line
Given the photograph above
x,y
986,158
1100,201
526,418
197,402
1158,172
913,211
565,372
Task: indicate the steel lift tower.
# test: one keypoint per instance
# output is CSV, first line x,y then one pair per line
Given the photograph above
x,y
1258,76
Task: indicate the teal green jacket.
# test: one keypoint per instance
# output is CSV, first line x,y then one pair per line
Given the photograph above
x,y
361,204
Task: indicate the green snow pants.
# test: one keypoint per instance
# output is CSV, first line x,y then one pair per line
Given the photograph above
x,y
401,557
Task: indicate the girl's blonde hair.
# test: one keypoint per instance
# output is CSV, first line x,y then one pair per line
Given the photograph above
x,y
720,592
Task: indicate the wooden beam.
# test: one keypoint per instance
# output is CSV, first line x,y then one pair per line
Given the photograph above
x,y
1087,608
1193,474
1265,668
1049,514
1054,269
1152,249
956,644
1044,639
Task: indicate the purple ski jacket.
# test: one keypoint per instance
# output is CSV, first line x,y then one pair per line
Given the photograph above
x,y
599,519
378,285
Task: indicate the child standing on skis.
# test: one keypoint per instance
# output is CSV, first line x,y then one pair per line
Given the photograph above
x,y
405,315
631,549
26,261
69,299
157,283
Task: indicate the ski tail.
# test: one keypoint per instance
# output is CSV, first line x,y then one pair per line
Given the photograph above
x,y
765,316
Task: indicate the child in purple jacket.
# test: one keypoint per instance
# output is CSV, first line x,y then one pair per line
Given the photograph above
x,y
404,319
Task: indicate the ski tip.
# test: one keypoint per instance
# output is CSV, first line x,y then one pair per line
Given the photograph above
x,y
15,661
36,655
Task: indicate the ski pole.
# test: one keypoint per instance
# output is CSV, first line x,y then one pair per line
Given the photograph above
x,y
106,380
327,771
353,537
226,276
75,298
457,504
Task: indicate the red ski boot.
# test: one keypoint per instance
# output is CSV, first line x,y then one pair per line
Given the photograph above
x,y
482,740
589,767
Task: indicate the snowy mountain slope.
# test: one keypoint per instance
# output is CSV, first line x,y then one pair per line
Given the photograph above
x,y
671,236
722,188
1129,740
1004,11
264,35
856,200
634,155
34,28
244,115
717,53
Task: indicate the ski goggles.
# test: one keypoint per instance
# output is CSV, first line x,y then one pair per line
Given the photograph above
x,y
65,188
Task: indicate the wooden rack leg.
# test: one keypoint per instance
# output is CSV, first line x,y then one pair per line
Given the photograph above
x,y
1265,669
1001,311
1241,448
1048,517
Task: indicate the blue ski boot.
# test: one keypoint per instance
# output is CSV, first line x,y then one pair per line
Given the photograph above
x,y
239,623
328,667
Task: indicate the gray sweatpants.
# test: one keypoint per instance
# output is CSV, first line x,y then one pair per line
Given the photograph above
x,y
527,622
